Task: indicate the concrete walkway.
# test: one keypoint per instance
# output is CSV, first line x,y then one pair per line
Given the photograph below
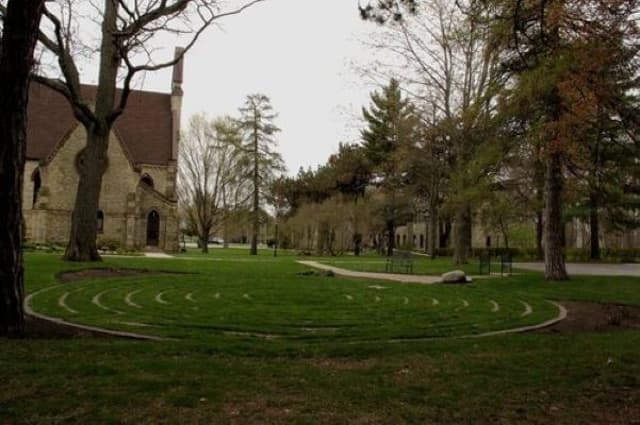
x,y
406,278
588,269
157,255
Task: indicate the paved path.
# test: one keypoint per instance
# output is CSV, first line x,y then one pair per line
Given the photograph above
x,y
588,269
407,278
157,255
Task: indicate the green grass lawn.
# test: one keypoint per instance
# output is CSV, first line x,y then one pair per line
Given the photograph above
x,y
421,264
252,340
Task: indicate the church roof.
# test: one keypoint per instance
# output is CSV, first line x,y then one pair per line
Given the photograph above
x,y
145,127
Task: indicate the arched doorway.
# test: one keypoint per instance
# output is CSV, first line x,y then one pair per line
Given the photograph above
x,y
153,228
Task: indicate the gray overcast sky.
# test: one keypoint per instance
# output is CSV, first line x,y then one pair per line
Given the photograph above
x,y
297,52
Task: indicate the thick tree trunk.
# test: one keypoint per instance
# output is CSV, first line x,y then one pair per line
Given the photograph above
x,y
445,233
91,163
461,248
432,231
554,261
594,224
204,242
16,59
357,244
539,235
505,234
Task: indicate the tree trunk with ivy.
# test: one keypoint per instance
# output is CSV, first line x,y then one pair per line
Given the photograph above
x,y
462,238
21,22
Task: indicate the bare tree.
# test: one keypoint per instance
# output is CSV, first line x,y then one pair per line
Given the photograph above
x,y
127,30
208,172
21,20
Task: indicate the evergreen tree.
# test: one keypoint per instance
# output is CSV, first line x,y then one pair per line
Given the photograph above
x,y
352,171
391,123
561,55
261,160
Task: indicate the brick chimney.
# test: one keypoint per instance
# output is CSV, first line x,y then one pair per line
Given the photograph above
x,y
176,102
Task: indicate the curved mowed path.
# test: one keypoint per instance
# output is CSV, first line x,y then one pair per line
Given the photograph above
x,y
254,300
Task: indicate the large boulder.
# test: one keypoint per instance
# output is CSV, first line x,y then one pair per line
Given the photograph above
x,y
455,276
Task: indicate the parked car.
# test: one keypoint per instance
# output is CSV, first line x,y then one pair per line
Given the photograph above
x,y
213,240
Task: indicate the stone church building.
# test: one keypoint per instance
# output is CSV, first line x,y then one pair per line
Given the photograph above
x,y
138,205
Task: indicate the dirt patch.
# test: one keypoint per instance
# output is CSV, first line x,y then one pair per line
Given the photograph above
x,y
595,317
627,415
104,272
44,329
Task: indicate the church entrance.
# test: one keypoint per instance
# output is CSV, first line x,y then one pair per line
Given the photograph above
x,y
153,228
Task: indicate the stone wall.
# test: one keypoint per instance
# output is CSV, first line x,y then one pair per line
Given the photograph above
x,y
412,233
124,218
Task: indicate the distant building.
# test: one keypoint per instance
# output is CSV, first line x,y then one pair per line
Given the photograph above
x,y
577,235
138,205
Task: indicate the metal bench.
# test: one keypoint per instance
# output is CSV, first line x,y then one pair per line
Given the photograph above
x,y
401,260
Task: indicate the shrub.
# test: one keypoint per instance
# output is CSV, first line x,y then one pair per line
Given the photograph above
x,y
108,244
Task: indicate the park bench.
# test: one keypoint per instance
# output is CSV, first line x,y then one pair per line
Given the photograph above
x,y
485,263
400,260
506,264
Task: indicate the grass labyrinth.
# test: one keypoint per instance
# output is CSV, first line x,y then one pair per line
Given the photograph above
x,y
264,298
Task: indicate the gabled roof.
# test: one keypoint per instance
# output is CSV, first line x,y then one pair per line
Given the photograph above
x,y
145,127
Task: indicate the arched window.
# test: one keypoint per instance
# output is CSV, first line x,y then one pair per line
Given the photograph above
x,y
37,182
146,179
100,221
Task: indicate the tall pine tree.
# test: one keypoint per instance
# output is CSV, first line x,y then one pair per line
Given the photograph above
x,y
391,123
260,158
